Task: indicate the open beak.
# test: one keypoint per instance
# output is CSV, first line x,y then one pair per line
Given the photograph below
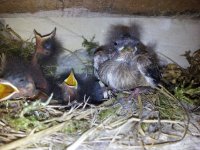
x,y
71,81
7,90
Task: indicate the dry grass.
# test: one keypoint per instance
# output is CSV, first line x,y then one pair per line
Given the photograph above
x,y
96,127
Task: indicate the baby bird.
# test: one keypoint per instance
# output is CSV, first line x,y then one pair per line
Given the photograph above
x,y
126,64
47,50
81,87
15,78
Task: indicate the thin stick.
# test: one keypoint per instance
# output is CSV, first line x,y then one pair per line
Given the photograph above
x,y
84,136
132,119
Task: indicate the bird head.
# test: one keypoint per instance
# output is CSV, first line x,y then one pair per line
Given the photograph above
x,y
125,43
24,83
7,90
124,39
46,45
69,88
16,77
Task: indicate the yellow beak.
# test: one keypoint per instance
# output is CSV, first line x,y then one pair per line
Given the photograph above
x,y
7,90
71,80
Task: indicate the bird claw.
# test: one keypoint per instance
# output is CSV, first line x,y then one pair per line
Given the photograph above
x,y
140,90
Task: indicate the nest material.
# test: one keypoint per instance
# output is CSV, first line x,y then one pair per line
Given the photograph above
x,y
118,122
150,121
12,44
186,82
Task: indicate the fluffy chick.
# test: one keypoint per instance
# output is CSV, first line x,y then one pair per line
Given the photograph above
x,y
47,50
16,79
128,64
82,87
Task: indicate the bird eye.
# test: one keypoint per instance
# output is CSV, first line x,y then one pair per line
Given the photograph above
x,y
115,43
21,80
47,45
47,52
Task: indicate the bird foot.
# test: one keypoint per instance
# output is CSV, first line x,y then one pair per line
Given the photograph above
x,y
141,90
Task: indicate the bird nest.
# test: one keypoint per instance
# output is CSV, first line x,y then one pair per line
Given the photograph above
x,y
122,122
150,121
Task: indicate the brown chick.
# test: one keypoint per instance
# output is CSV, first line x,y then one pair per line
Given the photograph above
x,y
16,78
128,65
47,50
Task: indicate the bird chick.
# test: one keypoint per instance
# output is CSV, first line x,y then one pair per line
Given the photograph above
x,y
81,87
130,65
44,60
15,78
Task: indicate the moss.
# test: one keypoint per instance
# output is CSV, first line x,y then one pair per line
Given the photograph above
x,y
25,123
144,126
76,126
189,94
169,108
108,112
12,44
89,44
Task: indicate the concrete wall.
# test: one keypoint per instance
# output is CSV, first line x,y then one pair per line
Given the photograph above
x,y
171,36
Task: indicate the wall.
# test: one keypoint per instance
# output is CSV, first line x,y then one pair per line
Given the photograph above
x,y
128,7
171,36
